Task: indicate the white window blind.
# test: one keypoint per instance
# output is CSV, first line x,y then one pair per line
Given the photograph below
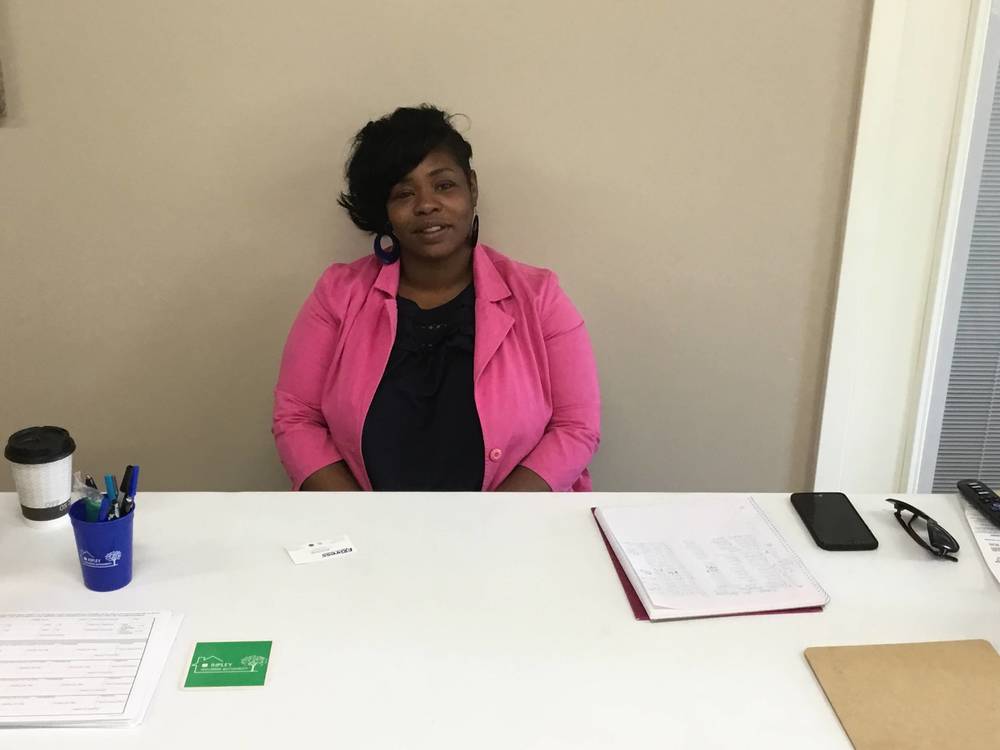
x,y
969,447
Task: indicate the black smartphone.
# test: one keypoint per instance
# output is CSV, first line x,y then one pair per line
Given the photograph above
x,y
833,522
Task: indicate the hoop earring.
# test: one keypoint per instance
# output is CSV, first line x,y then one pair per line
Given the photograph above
x,y
386,256
474,232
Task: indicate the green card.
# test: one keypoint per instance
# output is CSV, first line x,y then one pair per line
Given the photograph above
x,y
229,664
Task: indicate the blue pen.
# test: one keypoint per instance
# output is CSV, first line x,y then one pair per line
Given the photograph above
x,y
109,484
105,507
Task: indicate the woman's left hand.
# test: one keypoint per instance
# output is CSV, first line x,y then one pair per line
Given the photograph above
x,y
523,479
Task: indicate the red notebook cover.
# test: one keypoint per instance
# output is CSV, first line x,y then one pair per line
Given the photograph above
x,y
636,603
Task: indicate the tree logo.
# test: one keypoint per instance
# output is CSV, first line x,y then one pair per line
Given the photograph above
x,y
253,661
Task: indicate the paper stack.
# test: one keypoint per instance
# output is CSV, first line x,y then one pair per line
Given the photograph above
x,y
96,669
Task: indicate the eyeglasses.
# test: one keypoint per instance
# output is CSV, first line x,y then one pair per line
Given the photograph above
x,y
932,537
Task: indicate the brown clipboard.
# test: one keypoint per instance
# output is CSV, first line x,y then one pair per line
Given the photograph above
x,y
937,695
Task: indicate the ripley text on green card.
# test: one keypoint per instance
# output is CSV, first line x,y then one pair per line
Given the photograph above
x,y
229,664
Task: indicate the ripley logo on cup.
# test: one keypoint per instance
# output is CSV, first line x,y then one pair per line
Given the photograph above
x,y
110,560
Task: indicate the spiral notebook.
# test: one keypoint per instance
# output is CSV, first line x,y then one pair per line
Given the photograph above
x,y
706,556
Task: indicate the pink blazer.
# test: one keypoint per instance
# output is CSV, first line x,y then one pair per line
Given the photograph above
x,y
535,379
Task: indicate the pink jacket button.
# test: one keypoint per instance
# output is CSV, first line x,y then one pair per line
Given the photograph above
x,y
495,454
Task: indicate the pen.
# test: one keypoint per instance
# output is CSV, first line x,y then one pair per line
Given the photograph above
x,y
123,488
110,482
133,486
109,485
89,481
105,507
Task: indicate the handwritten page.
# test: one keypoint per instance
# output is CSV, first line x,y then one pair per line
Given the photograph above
x,y
69,669
707,554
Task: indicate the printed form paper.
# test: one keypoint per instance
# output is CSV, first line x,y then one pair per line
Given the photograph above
x,y
76,669
703,554
987,539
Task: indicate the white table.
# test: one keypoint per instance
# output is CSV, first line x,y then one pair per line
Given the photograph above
x,y
481,621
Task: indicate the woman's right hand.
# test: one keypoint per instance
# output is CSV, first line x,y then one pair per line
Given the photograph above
x,y
335,477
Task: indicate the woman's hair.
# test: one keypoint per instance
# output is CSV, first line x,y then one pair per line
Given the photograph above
x,y
386,150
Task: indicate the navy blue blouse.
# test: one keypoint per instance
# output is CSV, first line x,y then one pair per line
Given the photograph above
x,y
422,431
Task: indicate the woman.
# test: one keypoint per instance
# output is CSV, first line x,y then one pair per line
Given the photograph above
x,y
436,363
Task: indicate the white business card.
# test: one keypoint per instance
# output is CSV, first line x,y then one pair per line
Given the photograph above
x,y
313,552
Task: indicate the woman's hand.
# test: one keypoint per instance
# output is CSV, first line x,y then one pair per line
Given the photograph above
x,y
523,479
332,478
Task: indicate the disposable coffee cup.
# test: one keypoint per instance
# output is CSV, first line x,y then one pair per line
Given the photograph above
x,y
41,460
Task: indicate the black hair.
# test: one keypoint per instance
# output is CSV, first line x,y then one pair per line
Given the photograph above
x,y
386,150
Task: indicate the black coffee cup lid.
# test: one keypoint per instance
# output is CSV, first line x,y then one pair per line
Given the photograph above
x,y
39,445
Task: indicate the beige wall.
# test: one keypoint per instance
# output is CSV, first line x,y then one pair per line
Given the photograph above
x,y
168,172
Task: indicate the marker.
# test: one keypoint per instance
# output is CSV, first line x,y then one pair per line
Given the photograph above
x,y
123,488
92,506
133,487
126,480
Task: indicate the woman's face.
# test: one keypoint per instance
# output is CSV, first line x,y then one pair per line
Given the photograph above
x,y
431,209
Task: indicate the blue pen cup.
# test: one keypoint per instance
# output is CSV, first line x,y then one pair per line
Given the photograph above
x,y
104,548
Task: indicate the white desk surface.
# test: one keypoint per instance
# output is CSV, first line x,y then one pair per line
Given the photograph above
x,y
481,621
